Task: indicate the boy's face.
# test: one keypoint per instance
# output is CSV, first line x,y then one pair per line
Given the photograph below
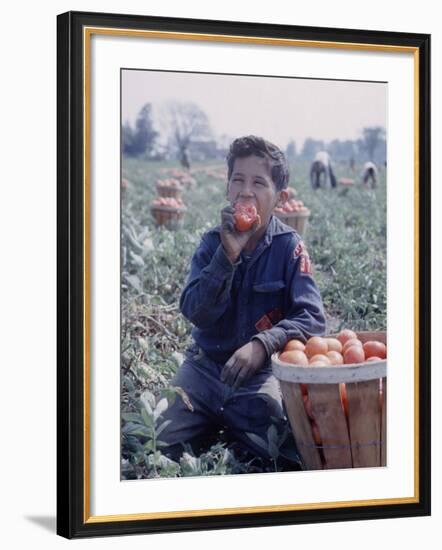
x,y
251,182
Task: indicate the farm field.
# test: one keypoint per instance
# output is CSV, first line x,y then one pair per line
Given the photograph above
x,y
346,239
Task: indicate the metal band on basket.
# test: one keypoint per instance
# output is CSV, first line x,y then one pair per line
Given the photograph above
x,y
329,374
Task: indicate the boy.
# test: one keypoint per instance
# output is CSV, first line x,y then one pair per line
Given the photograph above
x,y
247,294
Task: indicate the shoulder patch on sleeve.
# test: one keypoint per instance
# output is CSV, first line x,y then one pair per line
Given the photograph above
x,y
299,249
300,253
306,265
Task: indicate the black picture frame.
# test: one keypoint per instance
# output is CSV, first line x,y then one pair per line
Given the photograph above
x,y
73,519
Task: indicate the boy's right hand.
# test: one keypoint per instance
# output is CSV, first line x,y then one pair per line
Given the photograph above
x,y
232,240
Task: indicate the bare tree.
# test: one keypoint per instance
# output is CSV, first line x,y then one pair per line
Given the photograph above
x,y
185,122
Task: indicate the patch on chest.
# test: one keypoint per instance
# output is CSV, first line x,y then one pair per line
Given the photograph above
x,y
269,319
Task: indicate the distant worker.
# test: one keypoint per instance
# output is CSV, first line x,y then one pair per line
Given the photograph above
x,y
322,169
370,174
185,160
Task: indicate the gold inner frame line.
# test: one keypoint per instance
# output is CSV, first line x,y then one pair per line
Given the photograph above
x,y
205,37
87,33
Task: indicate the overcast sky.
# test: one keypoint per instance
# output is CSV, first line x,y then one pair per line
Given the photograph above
x,y
279,109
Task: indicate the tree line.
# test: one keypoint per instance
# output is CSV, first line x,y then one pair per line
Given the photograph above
x,y
371,145
185,133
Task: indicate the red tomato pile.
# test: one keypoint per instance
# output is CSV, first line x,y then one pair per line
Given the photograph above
x,y
320,351
346,181
169,202
291,205
169,182
179,178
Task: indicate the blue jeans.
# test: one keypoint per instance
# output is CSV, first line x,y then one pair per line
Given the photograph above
x,y
252,408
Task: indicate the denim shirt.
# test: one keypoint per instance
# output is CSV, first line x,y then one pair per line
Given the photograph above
x,y
271,296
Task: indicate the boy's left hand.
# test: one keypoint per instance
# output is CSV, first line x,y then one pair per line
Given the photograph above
x,y
244,363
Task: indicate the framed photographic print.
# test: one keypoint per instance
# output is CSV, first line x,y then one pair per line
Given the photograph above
x,y
243,274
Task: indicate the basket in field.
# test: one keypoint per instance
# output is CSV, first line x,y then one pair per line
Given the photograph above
x,y
173,191
167,216
297,220
337,413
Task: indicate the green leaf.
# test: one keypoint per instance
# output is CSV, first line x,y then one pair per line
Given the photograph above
x,y
149,396
147,419
131,417
129,384
129,427
146,400
149,445
137,260
257,440
144,344
272,434
160,408
139,458
170,394
226,456
273,450
134,282
163,426
139,431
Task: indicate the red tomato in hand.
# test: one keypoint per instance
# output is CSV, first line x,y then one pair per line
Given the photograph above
x,y
245,216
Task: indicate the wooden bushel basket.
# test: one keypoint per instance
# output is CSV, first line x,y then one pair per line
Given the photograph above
x,y
167,216
297,220
354,441
169,191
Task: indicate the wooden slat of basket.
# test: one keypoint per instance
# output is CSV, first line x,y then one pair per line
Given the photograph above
x,y
384,423
330,418
364,418
300,425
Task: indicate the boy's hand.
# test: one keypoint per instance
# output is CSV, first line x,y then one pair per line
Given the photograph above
x,y
234,241
244,363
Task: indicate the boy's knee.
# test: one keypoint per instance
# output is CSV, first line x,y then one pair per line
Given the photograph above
x,y
263,410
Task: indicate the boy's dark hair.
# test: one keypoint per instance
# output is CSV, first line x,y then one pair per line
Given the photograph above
x,y
254,145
